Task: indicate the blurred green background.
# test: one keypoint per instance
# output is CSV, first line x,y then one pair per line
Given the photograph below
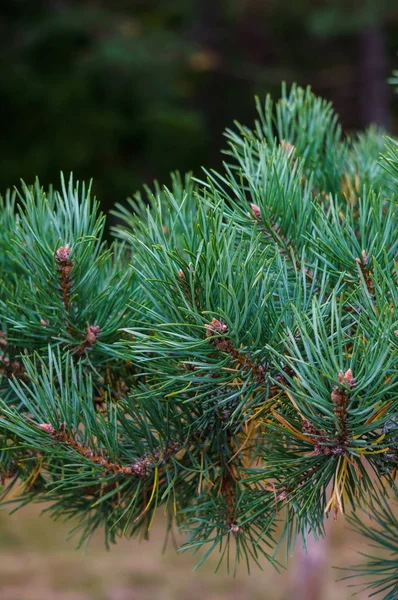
x,y
125,91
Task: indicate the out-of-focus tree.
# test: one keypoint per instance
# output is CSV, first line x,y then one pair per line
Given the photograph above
x,y
104,88
127,91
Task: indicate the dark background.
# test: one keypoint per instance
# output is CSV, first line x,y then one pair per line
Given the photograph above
x,y
126,91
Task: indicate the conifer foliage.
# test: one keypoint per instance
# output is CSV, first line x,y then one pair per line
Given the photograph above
x,y
230,357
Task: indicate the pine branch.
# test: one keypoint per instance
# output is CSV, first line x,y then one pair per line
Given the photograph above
x,y
231,357
139,467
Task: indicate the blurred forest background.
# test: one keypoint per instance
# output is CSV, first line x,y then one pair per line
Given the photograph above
x,y
126,91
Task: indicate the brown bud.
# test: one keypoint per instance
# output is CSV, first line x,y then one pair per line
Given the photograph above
x,y
215,327
308,427
92,334
234,528
287,147
181,274
256,211
62,254
209,330
337,395
363,261
47,428
347,377
43,322
220,326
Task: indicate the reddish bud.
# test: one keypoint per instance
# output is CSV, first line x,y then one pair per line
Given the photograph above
x,y
62,254
181,274
215,327
92,333
47,428
287,147
256,211
347,377
209,330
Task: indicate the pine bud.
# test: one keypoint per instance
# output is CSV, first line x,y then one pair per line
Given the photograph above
x,y
283,495
347,377
62,254
181,274
215,327
363,261
337,395
256,210
47,428
287,147
92,334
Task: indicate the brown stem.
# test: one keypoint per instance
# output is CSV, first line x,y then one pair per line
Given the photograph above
x,y
225,345
140,467
318,437
366,273
283,241
340,398
65,268
229,495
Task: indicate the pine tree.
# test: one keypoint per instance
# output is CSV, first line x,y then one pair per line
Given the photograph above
x,y
230,356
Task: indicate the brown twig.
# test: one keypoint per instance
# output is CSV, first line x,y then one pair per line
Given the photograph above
x,y
229,494
318,437
140,467
340,398
366,273
65,268
224,344
283,241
